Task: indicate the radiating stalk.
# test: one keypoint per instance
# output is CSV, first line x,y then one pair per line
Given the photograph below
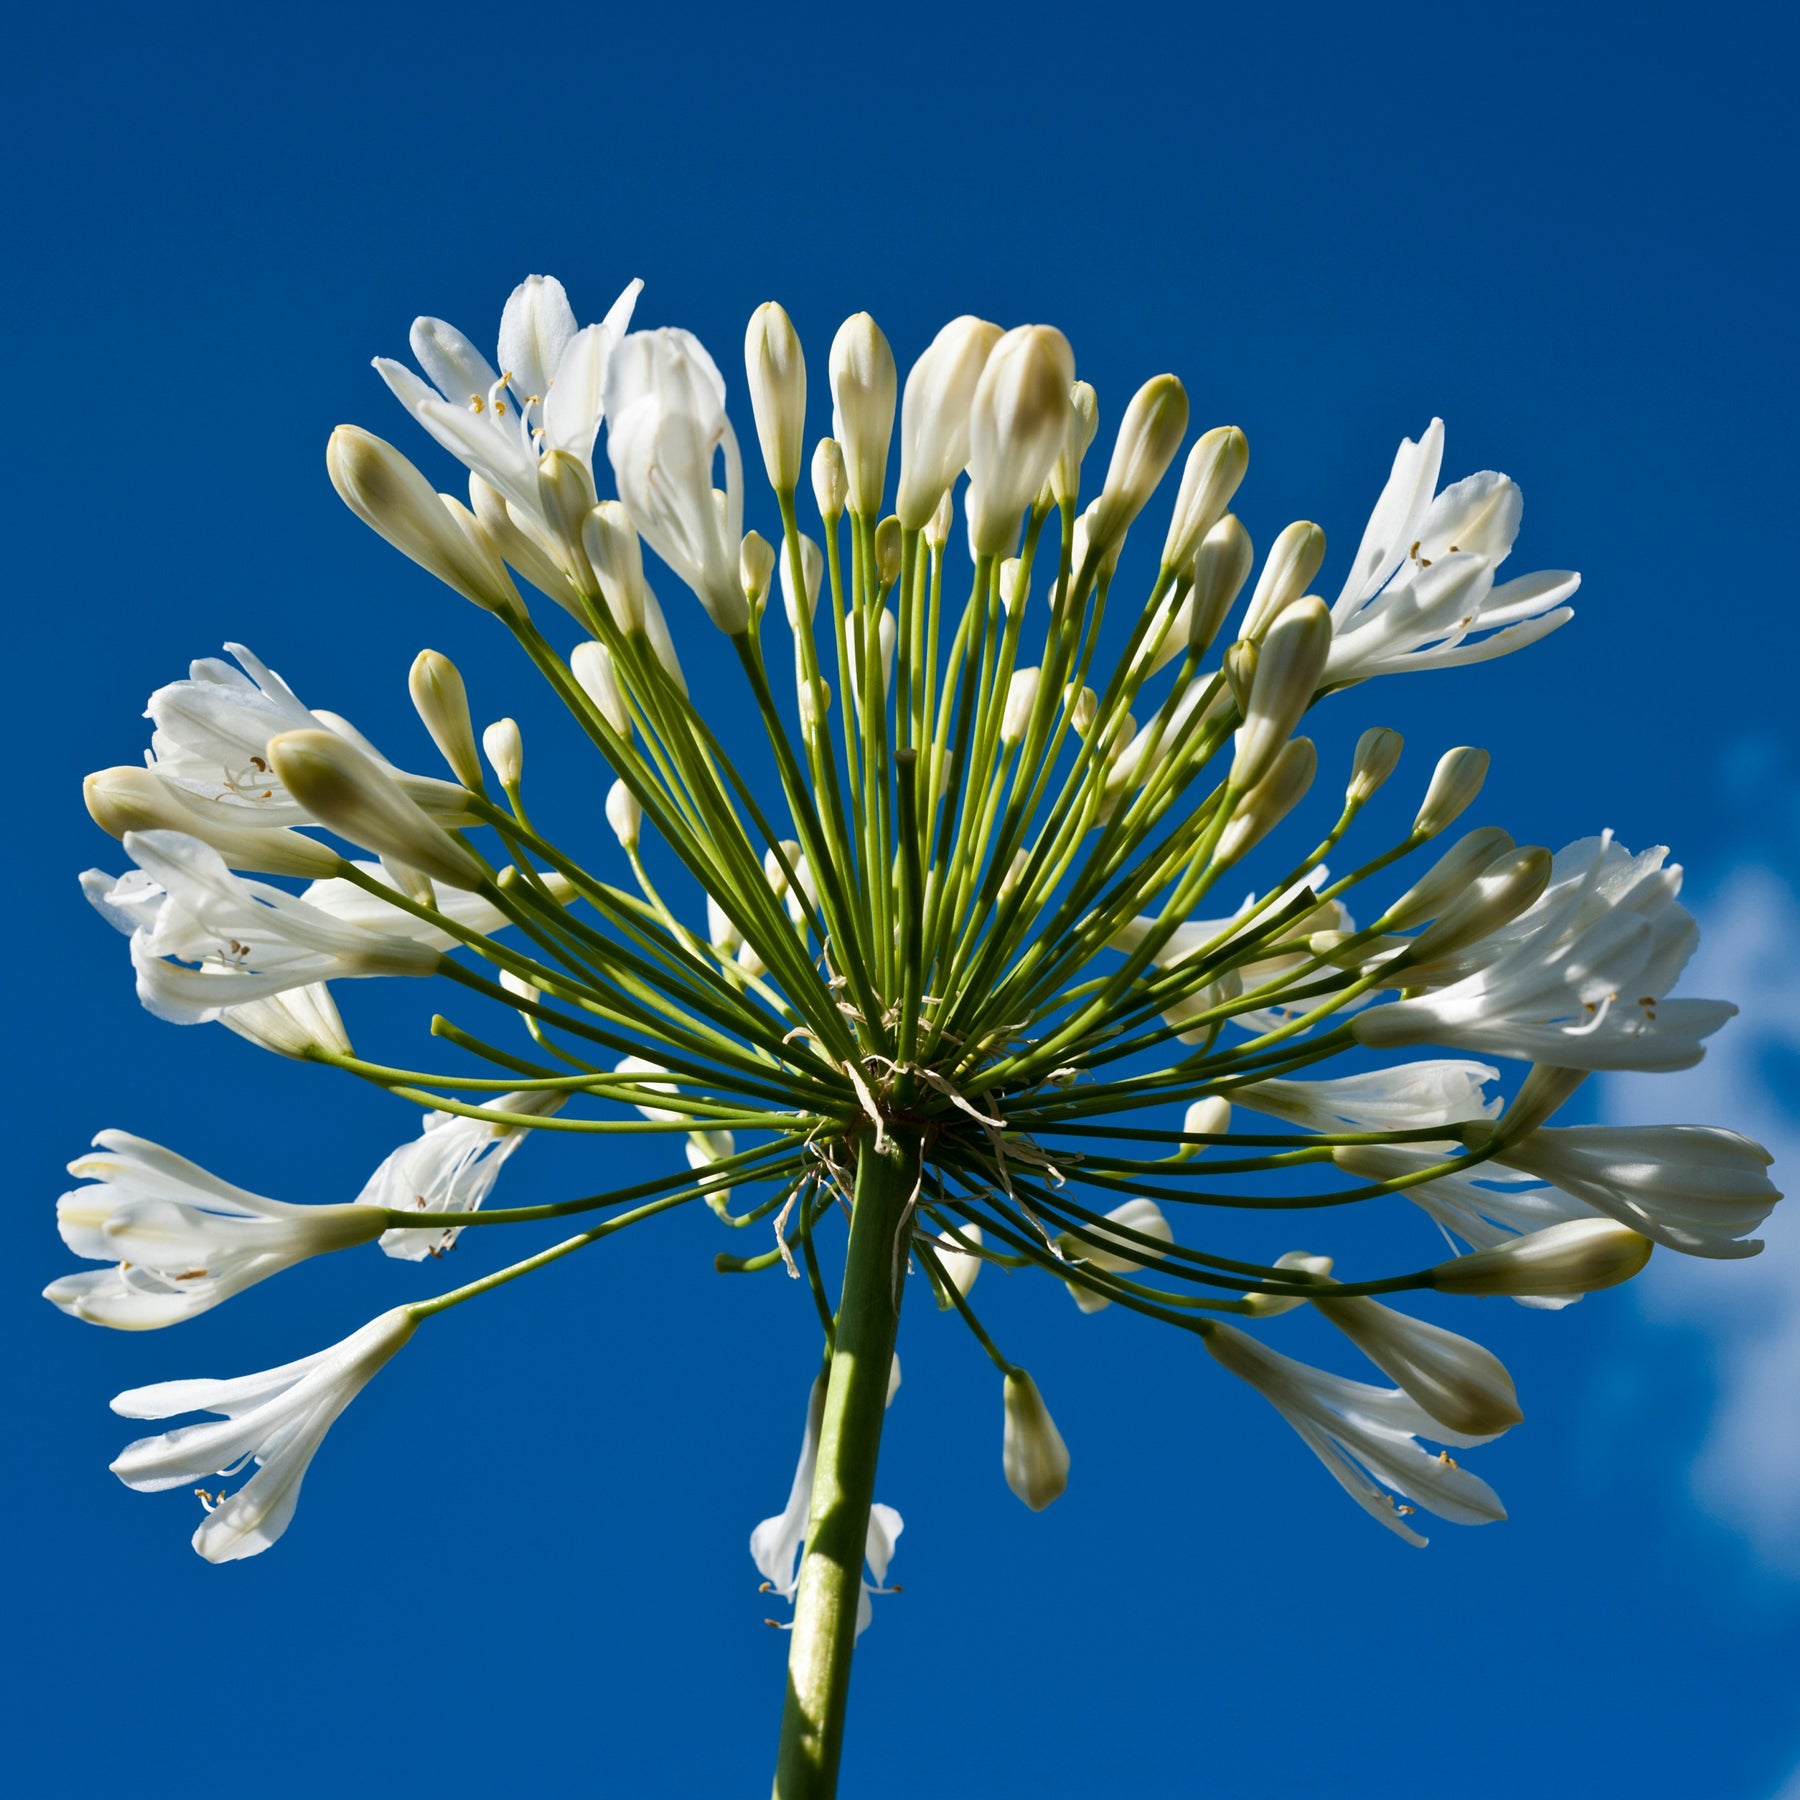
x,y
824,1635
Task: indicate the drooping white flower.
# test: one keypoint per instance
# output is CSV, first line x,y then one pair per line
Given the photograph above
x,y
231,940
1402,1098
276,1419
548,396
1576,980
1422,584
1032,1452
1367,1437
775,1543
451,1166
666,421
181,1239
1089,1246
959,1265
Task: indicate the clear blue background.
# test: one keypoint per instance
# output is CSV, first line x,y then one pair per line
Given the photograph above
x,y
520,1562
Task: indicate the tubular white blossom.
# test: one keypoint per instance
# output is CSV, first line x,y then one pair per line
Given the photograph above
x,y
1574,1258
182,1239
278,1419
1405,1097
1367,1437
1088,1244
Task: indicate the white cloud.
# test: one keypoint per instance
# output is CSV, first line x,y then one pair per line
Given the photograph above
x,y
1748,1469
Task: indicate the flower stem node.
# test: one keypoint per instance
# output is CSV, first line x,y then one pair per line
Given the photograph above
x,y
1578,1256
775,367
350,793
1033,1454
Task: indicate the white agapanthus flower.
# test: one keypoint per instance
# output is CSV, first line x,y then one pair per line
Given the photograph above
x,y
1092,1246
1367,1437
180,1239
775,1543
204,940
1577,981
1403,1097
451,1166
547,396
1421,588
276,1419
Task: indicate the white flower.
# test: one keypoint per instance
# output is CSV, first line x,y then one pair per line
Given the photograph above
x,y
210,745
182,1239
1367,1437
1032,1452
960,1266
233,940
451,1166
354,905
1422,583
1401,1098
1696,1188
277,1419
548,397
775,1543
1576,980
1085,1246
665,406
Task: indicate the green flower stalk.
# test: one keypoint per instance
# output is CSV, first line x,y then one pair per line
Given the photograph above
x,y
939,975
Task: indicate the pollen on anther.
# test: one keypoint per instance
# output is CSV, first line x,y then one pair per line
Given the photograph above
x,y
476,403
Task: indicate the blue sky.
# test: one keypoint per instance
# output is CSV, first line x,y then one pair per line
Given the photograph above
x,y
521,1558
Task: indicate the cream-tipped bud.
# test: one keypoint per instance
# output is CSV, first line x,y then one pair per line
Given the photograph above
x,y
1576,1257
721,934
1300,1262
1015,873
1221,567
1149,435
1454,784
863,387
1271,800
774,873
349,792
1032,1451
1503,890
1021,697
592,666
1377,756
1239,668
522,989
960,1268
1294,559
887,552
618,561
812,572
1215,466
624,815
1018,426
505,751
775,368
662,644
1289,663
133,798
1210,1117
521,545
756,567
442,703
830,484
1448,876
934,415
1083,707
1010,569
438,532
937,529
1084,421
886,633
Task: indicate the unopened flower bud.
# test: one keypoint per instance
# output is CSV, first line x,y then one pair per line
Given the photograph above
x,y
390,496
1503,890
812,571
1448,876
1033,1454
775,368
301,1022
756,565
1272,1306
1576,1257
830,483
592,666
1290,661
886,632
960,1268
1215,466
1294,559
1015,873
624,815
1239,666
1082,708
863,386
1018,426
662,645
1149,435
1010,568
349,792
934,415
1210,1117
721,934
618,562
1221,567
1271,800
518,985
1454,784
774,873
1377,756
521,545
1084,421
566,496
134,798
505,751
887,552
937,530
1021,697
442,703
1113,1253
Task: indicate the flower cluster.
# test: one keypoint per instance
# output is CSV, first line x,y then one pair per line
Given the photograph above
x,y
962,974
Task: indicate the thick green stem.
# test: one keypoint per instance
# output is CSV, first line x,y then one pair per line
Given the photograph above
x,y
824,1635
